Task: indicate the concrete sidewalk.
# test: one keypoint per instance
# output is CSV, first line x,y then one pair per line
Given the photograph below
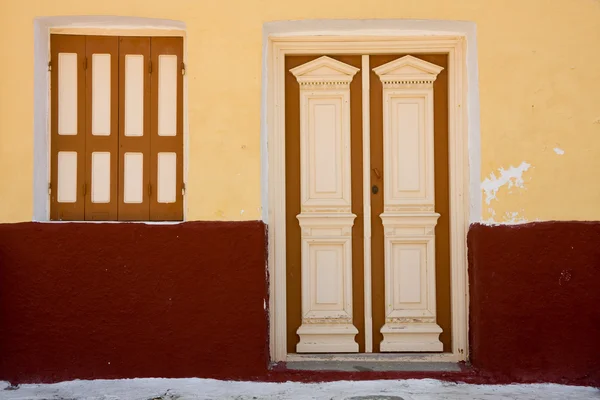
x,y
184,389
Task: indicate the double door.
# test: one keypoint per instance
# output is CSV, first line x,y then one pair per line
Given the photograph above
x,y
367,224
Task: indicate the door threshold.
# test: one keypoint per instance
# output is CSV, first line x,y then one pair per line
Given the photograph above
x,y
376,357
370,362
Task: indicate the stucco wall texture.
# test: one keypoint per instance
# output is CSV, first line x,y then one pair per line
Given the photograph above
x,y
534,295
538,80
124,300
85,301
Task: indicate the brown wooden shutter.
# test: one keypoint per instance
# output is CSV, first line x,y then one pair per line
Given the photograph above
x,y
166,129
102,134
134,129
67,127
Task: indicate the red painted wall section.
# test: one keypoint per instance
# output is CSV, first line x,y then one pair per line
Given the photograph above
x,y
535,301
85,301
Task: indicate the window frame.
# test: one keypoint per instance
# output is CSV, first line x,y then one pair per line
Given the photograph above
x,y
44,27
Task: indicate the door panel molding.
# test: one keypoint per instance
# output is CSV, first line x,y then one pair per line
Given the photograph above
x,y
280,46
326,217
409,218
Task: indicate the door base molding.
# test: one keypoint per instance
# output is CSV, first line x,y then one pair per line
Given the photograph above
x,y
327,338
413,337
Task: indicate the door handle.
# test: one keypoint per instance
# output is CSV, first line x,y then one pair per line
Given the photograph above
x,y
375,189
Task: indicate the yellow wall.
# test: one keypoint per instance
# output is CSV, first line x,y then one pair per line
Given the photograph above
x,y
539,82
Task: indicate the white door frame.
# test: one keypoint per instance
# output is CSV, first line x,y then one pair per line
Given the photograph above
x,y
277,47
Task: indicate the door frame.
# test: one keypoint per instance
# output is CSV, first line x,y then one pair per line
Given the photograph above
x,y
277,47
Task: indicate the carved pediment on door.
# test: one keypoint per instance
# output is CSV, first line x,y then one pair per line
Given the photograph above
x,y
324,70
408,69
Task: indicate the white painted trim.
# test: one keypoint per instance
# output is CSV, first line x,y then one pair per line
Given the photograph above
x,y
374,37
105,31
86,25
366,137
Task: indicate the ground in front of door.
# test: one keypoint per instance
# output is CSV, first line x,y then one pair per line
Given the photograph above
x,y
183,389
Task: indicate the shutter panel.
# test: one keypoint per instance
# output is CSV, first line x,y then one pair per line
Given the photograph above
x,y
166,129
102,135
67,127
134,129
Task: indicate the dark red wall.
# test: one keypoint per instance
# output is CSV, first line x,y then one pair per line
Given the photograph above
x,y
535,301
132,300
85,301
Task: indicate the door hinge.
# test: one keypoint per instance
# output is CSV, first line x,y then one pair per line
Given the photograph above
x,y
183,189
182,68
49,65
85,63
149,190
49,187
149,66
84,189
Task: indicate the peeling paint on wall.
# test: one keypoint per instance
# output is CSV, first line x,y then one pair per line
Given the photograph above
x,y
559,151
513,217
509,218
511,177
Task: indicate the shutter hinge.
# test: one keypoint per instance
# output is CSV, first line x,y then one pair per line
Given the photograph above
x,y
149,190
85,63
149,66
183,189
84,189
49,65
182,68
49,188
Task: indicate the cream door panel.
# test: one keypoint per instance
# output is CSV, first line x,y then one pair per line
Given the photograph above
x,y
407,152
326,217
167,95
67,93
134,95
67,177
409,218
167,177
133,178
101,177
101,87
